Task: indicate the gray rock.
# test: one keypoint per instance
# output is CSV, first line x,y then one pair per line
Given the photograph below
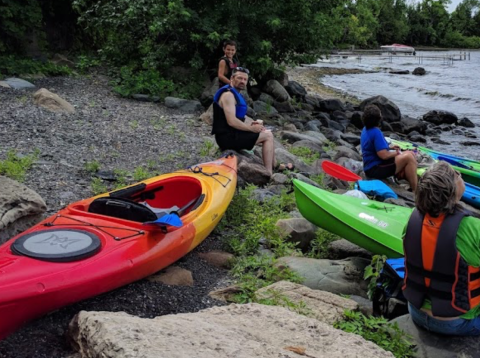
x,y
293,137
330,105
185,105
18,83
20,208
241,331
266,98
419,71
341,249
277,91
336,276
465,122
440,117
146,98
346,152
324,306
284,107
299,231
390,111
296,90
431,345
262,107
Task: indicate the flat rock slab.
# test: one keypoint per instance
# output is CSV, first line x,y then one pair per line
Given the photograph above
x,y
240,331
324,306
18,83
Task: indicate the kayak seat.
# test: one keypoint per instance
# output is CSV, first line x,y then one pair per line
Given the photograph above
x,y
122,208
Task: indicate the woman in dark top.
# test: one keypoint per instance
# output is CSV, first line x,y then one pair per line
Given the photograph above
x,y
227,63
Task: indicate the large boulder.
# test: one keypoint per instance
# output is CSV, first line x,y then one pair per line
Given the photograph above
x,y
52,101
18,83
440,117
20,208
276,90
331,105
390,111
206,98
240,331
296,90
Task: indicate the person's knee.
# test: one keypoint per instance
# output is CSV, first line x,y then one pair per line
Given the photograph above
x,y
266,136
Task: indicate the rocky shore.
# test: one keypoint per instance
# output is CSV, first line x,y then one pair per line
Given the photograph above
x,y
122,135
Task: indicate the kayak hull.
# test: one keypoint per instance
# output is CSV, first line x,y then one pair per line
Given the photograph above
x,y
377,227
128,250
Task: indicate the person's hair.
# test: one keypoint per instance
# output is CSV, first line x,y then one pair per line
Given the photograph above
x,y
437,190
371,116
229,42
240,69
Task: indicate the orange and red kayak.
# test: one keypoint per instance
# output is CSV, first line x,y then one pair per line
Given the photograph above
x,y
104,242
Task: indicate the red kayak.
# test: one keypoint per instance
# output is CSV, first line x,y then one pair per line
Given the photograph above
x,y
101,243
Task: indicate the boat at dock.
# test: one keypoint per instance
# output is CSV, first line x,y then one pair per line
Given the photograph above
x,y
398,48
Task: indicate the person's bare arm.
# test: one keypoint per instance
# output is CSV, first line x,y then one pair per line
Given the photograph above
x,y
385,154
222,69
227,102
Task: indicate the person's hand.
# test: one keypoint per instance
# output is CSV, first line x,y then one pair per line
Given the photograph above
x,y
256,128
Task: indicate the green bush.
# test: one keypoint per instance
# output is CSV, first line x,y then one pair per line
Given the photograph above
x,y
149,82
16,166
12,65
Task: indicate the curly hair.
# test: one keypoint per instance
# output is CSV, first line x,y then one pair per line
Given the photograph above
x,y
371,116
437,190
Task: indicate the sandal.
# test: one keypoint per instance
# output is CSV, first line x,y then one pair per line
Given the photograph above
x,y
280,168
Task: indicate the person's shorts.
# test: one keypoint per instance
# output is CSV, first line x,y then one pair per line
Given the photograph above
x,y
237,140
382,171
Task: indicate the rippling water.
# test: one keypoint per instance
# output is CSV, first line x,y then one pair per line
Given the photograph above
x,y
451,86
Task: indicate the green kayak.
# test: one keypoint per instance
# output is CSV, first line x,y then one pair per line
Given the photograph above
x,y
376,226
468,168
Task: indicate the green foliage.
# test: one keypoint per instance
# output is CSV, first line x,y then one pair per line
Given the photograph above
x,y
12,65
149,82
16,166
372,272
306,154
248,222
84,63
377,330
92,167
141,173
98,186
207,148
319,246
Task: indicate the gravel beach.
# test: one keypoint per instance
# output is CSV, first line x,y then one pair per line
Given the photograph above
x,y
119,134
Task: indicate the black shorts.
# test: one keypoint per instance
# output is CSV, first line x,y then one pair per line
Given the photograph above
x,y
237,140
383,170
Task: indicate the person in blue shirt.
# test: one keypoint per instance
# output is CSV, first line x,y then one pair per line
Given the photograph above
x,y
379,160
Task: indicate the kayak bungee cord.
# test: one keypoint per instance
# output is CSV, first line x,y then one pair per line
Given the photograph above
x,y
100,228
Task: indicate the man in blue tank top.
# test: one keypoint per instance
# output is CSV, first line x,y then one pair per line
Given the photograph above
x,y
231,126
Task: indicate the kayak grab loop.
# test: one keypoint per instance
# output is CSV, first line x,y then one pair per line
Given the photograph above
x,y
199,170
101,228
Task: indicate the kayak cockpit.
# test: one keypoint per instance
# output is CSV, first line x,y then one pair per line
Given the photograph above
x,y
147,201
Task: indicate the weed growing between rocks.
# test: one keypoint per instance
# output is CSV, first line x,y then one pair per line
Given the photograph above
x,y
379,331
16,166
306,154
249,225
319,246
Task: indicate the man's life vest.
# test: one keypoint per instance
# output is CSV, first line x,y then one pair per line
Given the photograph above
x,y
220,124
434,268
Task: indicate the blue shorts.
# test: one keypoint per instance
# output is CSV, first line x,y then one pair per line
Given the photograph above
x,y
455,327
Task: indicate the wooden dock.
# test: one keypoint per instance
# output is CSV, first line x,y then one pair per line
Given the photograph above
x,y
391,56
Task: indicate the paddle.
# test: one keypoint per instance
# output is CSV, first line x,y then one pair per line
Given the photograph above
x,y
173,219
339,172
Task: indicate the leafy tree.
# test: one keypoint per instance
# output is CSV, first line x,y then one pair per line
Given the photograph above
x,y
393,22
462,18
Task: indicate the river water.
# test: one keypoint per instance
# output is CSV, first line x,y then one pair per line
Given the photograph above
x,y
448,85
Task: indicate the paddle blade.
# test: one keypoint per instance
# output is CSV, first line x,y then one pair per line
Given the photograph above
x,y
169,219
339,172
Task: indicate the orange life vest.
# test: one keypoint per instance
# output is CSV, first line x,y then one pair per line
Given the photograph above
x,y
434,268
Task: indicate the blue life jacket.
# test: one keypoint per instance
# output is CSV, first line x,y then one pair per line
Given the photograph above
x,y
240,107
376,188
